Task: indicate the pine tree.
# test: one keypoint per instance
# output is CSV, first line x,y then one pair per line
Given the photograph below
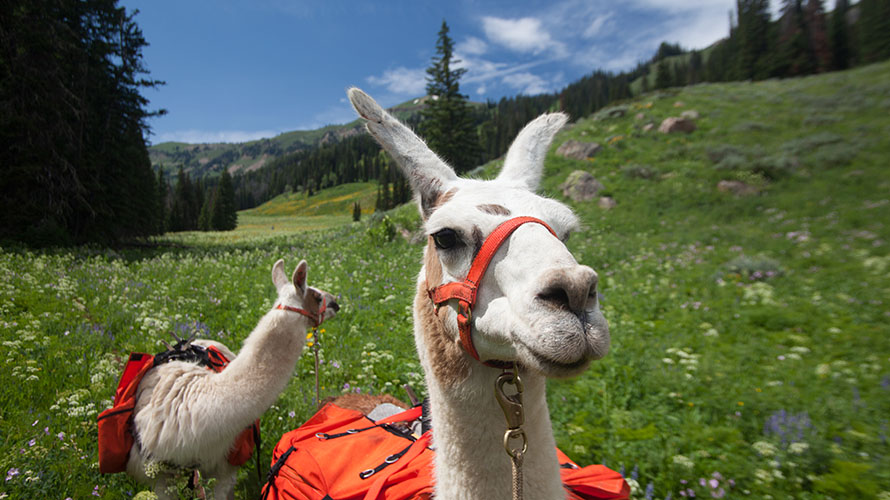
x,y
162,193
753,35
817,29
225,215
75,162
874,30
447,123
839,35
356,212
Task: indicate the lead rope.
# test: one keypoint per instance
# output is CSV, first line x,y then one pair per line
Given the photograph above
x,y
511,404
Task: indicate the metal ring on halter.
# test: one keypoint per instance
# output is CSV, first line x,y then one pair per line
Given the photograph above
x,y
392,459
322,435
515,434
365,474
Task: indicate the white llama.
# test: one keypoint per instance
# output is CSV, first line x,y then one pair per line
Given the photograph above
x,y
536,307
189,416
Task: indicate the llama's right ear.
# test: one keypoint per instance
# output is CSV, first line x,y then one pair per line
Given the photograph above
x,y
278,276
425,171
299,277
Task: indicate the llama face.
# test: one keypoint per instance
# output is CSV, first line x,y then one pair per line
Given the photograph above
x,y
297,294
536,304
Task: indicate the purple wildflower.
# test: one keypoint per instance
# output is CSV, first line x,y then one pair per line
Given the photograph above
x,y
32,442
11,473
713,483
719,493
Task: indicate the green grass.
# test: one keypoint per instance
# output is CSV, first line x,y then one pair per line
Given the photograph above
x,y
750,335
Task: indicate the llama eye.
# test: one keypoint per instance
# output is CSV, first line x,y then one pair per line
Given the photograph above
x,y
445,239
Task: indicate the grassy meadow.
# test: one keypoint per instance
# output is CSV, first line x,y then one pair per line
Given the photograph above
x,y
750,334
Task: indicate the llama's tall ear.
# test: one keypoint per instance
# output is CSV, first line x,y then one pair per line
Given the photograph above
x,y
278,276
425,171
300,274
524,163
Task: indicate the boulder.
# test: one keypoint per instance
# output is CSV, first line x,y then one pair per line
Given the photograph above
x,y
578,150
676,124
581,186
606,202
737,188
639,116
648,127
690,114
679,104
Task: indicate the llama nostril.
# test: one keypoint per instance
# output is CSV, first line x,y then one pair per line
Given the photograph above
x,y
556,297
335,306
570,290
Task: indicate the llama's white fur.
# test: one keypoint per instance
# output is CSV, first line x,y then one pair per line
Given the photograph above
x,y
189,416
536,306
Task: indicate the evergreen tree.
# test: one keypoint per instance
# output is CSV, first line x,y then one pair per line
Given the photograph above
x,y
207,210
817,29
162,192
225,215
356,212
874,30
795,53
447,122
663,77
753,35
839,36
75,165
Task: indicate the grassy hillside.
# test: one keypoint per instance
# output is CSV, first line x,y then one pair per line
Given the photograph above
x,y
751,346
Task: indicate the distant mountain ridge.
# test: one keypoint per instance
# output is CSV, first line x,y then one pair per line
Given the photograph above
x,y
208,160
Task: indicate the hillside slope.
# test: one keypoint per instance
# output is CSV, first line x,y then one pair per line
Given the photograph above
x,y
750,349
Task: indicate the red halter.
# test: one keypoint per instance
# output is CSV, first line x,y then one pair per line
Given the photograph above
x,y
465,291
317,319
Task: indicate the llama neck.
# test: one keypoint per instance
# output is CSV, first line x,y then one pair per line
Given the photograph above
x,y
469,425
263,366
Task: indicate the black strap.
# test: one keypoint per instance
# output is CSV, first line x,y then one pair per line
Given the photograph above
x,y
365,474
184,351
256,440
273,471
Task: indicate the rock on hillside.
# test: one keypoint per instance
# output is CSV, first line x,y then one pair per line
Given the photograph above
x,y
577,150
581,186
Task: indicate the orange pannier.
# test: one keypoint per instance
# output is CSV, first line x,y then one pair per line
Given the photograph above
x,y
341,454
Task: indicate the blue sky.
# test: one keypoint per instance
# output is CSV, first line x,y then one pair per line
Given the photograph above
x,y
241,70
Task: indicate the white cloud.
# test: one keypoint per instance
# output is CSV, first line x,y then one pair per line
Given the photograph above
x,y
473,46
527,83
521,35
596,26
213,136
403,81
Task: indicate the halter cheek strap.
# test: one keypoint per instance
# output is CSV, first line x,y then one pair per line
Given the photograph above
x,y
465,291
316,319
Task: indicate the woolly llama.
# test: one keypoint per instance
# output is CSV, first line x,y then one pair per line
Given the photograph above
x,y
534,308
189,416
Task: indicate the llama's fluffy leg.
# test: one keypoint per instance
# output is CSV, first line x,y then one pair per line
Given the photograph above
x,y
164,487
224,489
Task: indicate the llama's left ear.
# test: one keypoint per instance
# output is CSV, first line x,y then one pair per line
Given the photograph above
x,y
300,276
278,276
425,171
524,163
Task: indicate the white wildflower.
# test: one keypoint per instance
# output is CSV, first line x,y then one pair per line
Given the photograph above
x,y
764,448
682,461
798,448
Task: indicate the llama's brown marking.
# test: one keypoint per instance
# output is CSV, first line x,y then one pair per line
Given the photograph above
x,y
447,360
494,209
363,403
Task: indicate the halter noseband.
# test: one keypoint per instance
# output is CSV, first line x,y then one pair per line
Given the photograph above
x,y
465,291
316,319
